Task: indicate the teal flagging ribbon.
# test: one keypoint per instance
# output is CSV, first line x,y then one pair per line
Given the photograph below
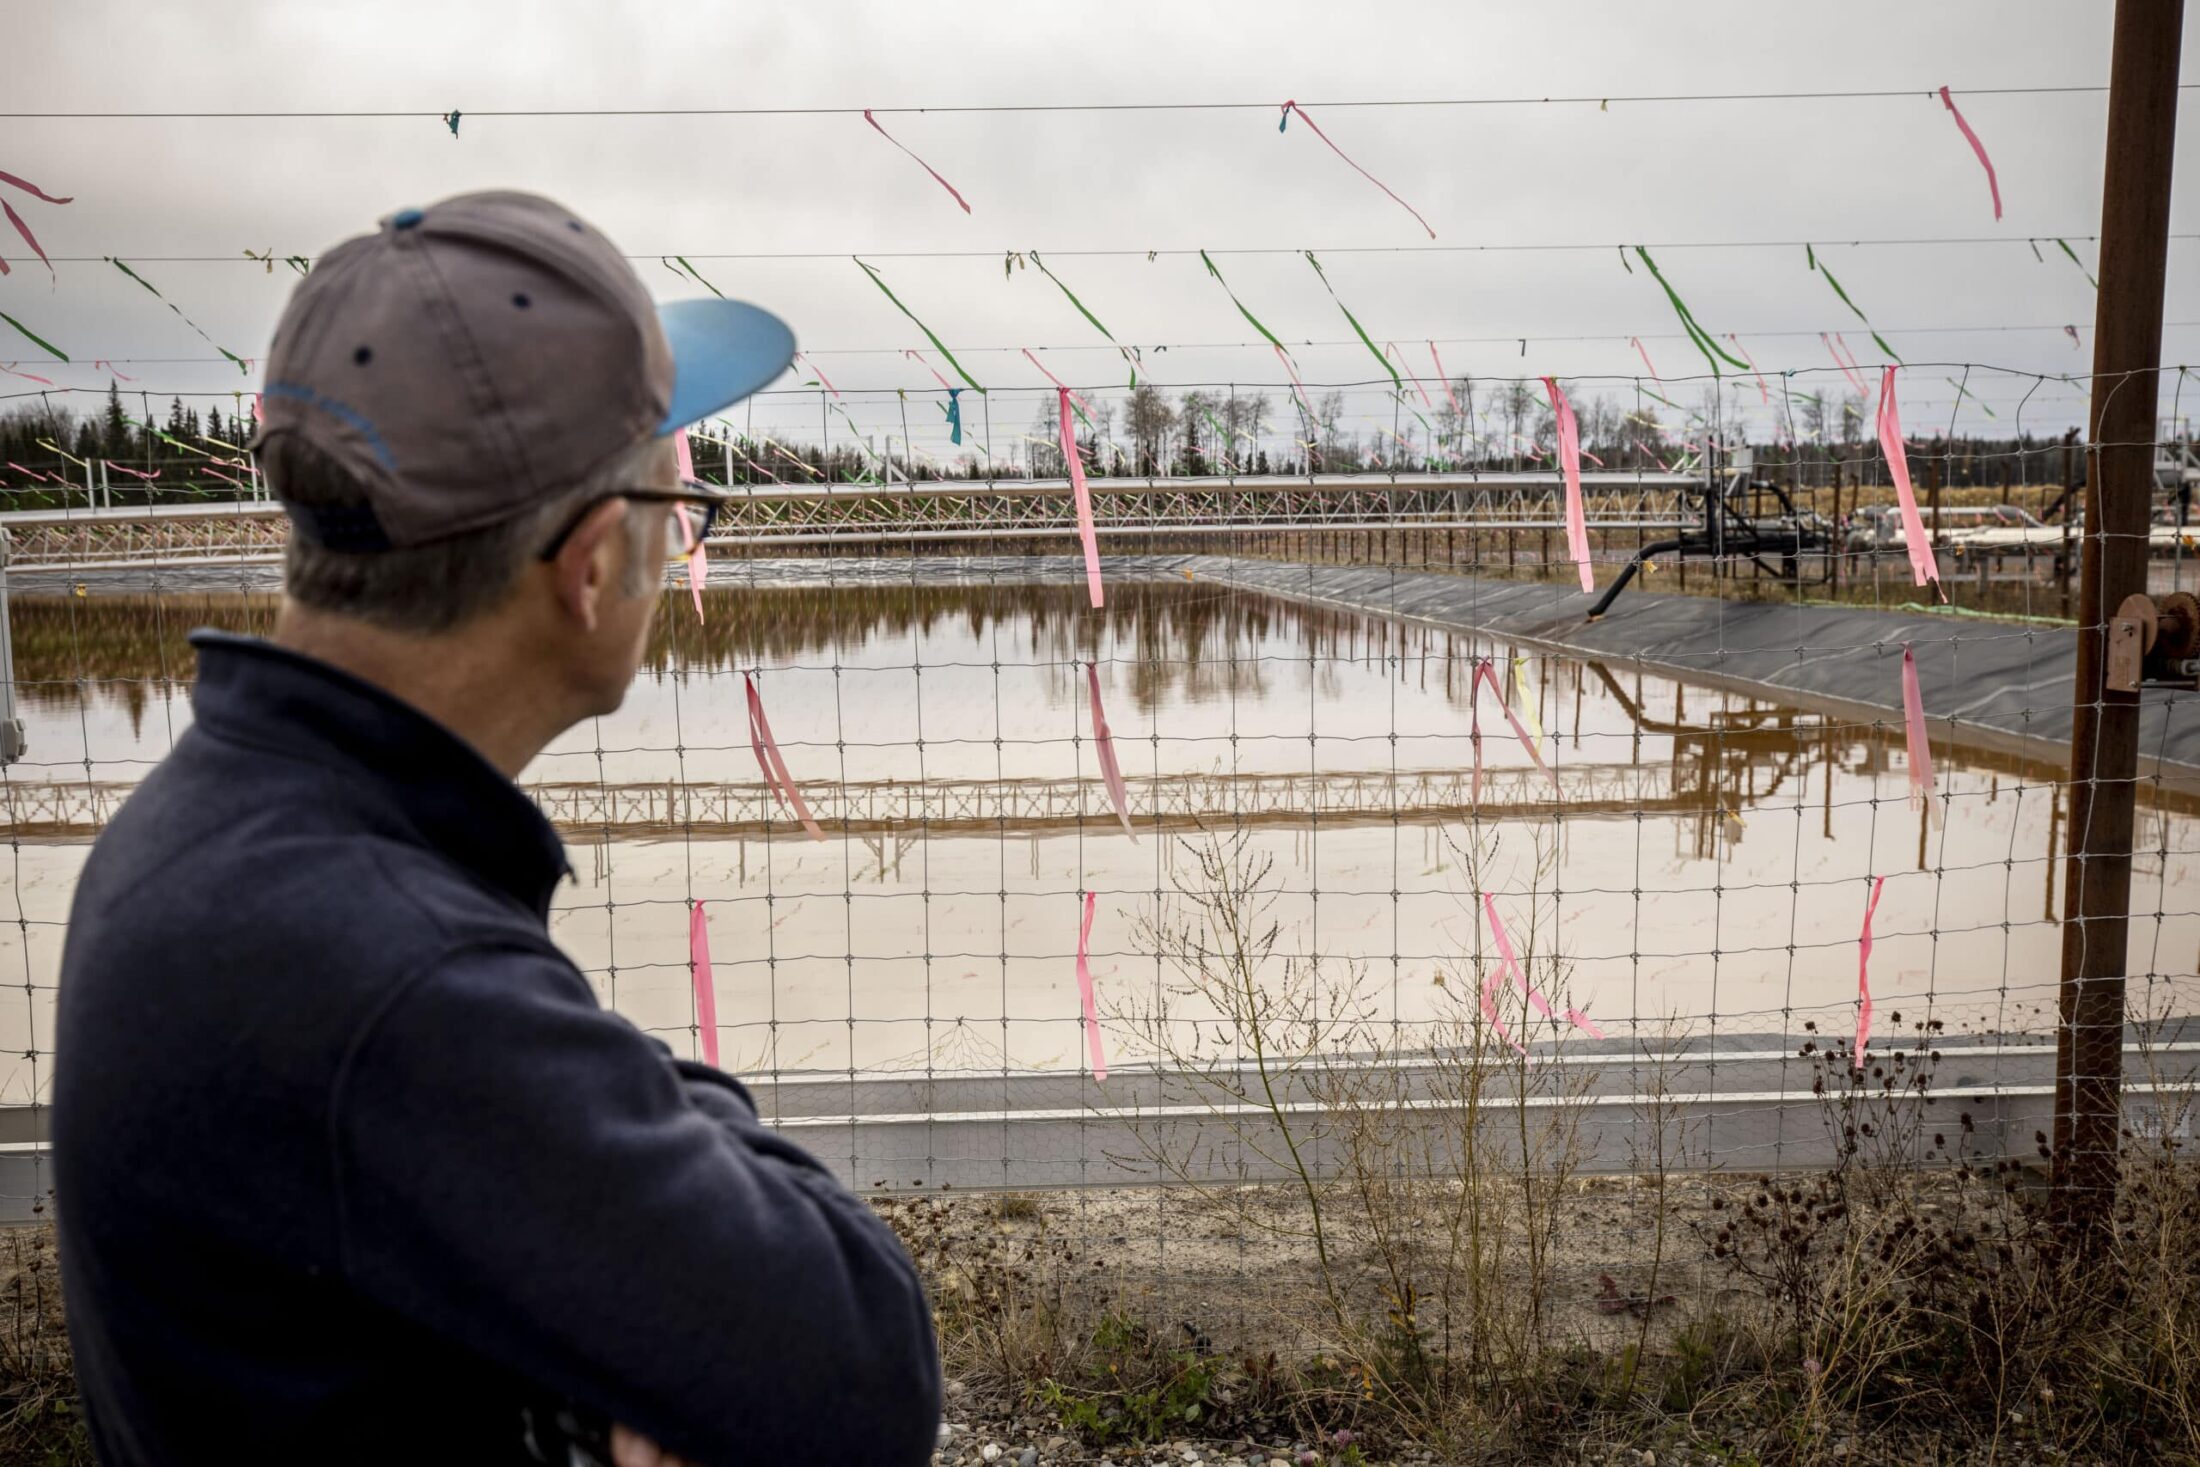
x,y
954,413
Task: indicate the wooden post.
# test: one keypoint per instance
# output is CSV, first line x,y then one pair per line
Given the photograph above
x,y
1840,533
2104,736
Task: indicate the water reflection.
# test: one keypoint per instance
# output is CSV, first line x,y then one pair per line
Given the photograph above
x,y
1703,863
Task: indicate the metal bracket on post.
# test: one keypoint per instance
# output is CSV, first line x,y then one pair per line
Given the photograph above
x,y
12,742
2130,635
2149,644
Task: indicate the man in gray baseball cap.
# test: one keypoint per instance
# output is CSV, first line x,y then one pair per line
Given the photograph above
x,y
350,1163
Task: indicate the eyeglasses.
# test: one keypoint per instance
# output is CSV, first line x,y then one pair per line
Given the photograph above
x,y
696,516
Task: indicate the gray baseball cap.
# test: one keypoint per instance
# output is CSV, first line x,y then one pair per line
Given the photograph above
x,y
469,360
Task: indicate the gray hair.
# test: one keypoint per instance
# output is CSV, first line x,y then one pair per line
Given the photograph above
x,y
443,585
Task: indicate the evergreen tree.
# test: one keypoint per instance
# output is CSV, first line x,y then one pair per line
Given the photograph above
x,y
115,435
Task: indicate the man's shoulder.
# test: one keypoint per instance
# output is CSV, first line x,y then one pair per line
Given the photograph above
x,y
223,878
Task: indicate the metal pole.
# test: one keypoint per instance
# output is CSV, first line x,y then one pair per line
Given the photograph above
x,y
2104,737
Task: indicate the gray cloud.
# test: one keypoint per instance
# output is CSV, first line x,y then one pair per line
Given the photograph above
x,y
1821,170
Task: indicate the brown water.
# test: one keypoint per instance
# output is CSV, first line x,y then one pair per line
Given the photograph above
x,y
1703,867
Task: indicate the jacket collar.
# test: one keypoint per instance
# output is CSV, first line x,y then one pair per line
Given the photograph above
x,y
454,801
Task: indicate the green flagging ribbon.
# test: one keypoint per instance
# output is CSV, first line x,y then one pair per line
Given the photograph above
x,y
34,336
1395,380
2073,254
180,316
1086,312
1248,315
1712,351
691,272
937,344
1811,256
1963,391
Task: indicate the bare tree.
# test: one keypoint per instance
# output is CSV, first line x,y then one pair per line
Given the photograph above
x,y
1203,435
1043,439
1852,416
1518,402
1245,415
1147,419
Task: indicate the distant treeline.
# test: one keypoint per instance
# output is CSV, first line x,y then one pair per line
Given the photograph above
x,y
50,456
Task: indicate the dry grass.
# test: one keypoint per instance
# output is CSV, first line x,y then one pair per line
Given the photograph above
x,y
40,1420
1457,1288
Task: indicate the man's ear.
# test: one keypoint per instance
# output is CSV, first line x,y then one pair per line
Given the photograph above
x,y
590,563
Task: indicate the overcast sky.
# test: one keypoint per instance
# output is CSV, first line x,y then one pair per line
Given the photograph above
x,y
1830,171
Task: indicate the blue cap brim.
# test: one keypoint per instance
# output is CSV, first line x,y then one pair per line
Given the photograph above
x,y
721,352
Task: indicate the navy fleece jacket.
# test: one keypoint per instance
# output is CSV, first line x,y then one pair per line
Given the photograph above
x,y
352,1166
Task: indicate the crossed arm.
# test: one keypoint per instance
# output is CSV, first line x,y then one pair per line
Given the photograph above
x,y
534,1178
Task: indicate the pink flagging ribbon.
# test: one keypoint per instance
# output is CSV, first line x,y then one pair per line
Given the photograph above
x,y
1291,107
125,376
1913,723
1483,674
17,220
1489,1012
918,357
133,473
1104,747
34,473
1082,400
1923,566
943,183
32,189
1084,991
1644,352
1490,986
9,368
1083,495
1392,348
1443,377
2072,333
1569,462
1296,385
1764,393
769,760
706,990
1848,369
698,561
1510,964
1977,147
1864,974
821,377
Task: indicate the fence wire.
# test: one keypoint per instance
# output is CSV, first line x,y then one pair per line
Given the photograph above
x,y
1369,927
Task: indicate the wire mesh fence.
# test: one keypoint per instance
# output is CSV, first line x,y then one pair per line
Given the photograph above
x,y
1337,924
